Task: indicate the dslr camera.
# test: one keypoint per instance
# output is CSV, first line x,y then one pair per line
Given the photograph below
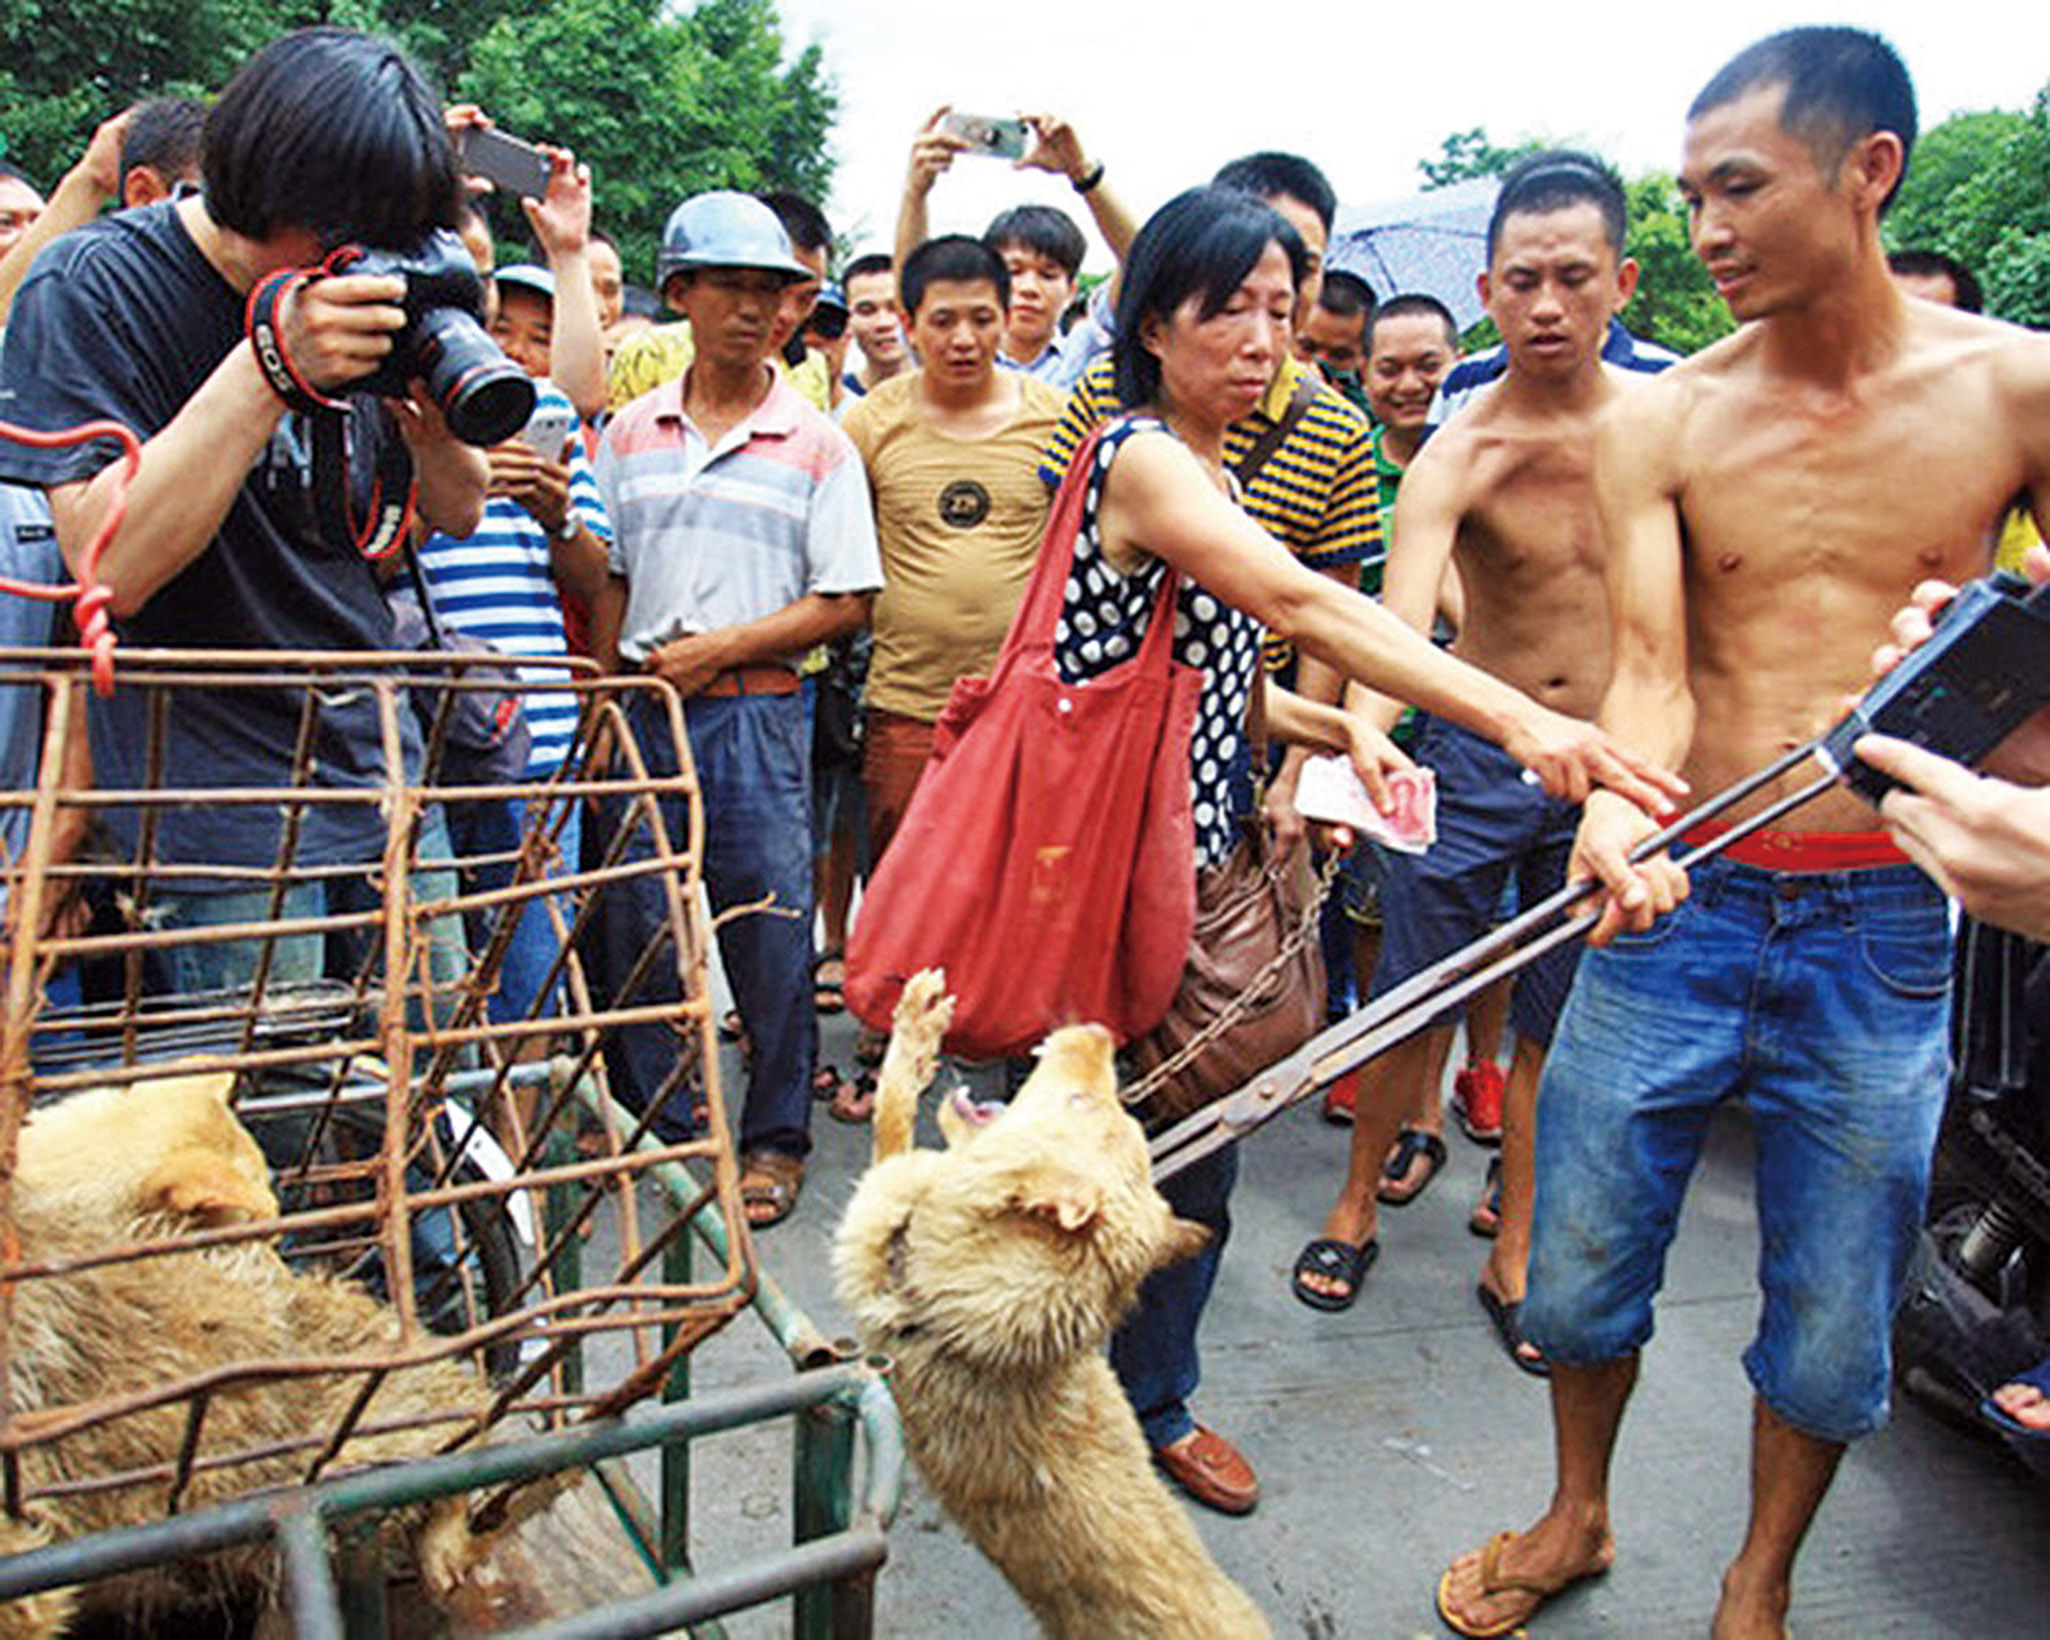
x,y
483,395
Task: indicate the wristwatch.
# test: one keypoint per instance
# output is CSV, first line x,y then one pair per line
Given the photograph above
x,y
567,529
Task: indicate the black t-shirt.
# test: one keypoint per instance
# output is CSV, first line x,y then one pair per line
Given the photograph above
x,y
126,319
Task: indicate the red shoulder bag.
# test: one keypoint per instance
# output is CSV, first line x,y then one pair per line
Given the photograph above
x,y
1047,858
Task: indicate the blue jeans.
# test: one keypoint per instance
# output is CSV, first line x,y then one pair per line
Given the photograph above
x,y
213,965
1493,828
494,827
753,761
1822,999
1154,1352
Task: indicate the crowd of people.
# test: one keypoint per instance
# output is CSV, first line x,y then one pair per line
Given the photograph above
x,y
1575,576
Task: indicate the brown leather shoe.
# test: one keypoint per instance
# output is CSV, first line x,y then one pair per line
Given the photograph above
x,y
1212,1471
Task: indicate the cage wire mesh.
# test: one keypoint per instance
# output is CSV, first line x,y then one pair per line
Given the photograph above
x,y
471,1161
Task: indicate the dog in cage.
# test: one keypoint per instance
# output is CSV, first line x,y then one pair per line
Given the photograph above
x,y
991,1273
89,1350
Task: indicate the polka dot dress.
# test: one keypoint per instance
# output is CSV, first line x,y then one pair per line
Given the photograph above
x,y
1103,620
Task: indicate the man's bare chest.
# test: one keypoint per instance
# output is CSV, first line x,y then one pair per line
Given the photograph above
x,y
1879,491
1532,512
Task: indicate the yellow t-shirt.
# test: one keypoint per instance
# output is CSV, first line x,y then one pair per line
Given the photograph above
x,y
647,359
2017,535
959,523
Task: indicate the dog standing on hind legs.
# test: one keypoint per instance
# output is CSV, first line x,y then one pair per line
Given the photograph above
x,y
991,1273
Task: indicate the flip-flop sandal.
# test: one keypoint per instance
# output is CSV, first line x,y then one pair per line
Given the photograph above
x,y
1494,1583
829,996
869,1048
1508,1319
770,1182
856,1100
826,1083
1334,1260
1401,1165
1486,1217
730,1027
2031,1445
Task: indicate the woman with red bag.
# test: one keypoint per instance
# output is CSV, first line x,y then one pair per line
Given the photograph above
x,y
1203,318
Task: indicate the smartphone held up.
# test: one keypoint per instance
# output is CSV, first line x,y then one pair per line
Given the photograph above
x,y
503,160
985,134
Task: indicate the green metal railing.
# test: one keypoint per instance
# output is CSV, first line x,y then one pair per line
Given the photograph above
x,y
846,1427
299,1521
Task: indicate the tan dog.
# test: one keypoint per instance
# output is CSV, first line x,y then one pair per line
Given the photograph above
x,y
992,1273
153,1161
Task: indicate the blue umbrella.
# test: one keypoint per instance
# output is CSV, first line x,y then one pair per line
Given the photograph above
x,y
1432,243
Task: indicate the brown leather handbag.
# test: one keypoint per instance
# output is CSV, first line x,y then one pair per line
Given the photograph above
x,y
1252,991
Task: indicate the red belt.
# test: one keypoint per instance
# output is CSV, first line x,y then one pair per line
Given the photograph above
x,y
1771,850
752,680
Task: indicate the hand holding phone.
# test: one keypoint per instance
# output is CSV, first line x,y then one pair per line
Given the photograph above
x,y
985,134
505,161
548,430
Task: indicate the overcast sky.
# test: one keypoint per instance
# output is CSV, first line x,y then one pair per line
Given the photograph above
x,y
1163,103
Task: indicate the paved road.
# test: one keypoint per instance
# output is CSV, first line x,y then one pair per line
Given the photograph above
x,y
1395,1435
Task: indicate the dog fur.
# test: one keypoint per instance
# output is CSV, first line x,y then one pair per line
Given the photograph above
x,y
156,1160
991,1273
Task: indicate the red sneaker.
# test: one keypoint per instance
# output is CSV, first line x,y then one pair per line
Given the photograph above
x,y
1477,1101
1338,1099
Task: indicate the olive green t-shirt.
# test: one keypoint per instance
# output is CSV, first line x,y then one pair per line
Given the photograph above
x,y
959,523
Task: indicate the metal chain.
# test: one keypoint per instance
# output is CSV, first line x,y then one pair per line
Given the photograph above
x,y
1236,1009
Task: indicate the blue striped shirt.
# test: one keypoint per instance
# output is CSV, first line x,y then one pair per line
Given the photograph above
x,y
497,584
1466,378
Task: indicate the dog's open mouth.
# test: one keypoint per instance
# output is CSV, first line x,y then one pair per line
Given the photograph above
x,y
975,1112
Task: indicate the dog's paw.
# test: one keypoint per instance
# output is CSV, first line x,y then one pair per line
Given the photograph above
x,y
448,1549
913,1058
924,1011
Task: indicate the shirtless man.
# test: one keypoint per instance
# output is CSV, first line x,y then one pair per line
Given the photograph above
x,y
1505,494
1768,503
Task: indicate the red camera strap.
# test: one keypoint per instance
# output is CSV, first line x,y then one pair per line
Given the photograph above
x,y
260,320
393,490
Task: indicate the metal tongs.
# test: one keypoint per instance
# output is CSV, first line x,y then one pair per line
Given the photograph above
x,y
1407,1009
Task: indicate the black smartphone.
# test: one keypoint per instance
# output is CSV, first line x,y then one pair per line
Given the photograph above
x,y
506,161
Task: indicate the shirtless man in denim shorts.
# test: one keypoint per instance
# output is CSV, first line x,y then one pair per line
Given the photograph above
x,y
1503,494
1768,504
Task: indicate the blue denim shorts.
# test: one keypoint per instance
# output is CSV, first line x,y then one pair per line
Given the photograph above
x,y
1494,827
1819,998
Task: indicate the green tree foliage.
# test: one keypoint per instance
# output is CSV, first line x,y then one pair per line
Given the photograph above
x,y
1676,303
69,67
1465,155
1979,190
1945,157
660,99
660,106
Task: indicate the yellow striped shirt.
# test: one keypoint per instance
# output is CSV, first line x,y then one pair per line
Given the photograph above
x,y
1318,493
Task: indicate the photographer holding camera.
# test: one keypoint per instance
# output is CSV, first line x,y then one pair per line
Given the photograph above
x,y
264,439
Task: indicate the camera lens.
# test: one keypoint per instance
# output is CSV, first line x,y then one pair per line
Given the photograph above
x,y
483,395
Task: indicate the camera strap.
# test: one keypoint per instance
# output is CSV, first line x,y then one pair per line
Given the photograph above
x,y
392,491
260,319
389,521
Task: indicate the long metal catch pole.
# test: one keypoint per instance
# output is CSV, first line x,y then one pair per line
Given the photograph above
x,y
1410,1006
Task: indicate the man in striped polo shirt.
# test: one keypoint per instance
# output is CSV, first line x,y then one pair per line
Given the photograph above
x,y
742,536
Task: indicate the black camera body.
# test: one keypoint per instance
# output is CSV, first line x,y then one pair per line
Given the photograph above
x,y
483,395
1982,672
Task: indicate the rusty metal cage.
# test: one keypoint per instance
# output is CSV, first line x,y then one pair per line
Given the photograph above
x,y
478,1167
